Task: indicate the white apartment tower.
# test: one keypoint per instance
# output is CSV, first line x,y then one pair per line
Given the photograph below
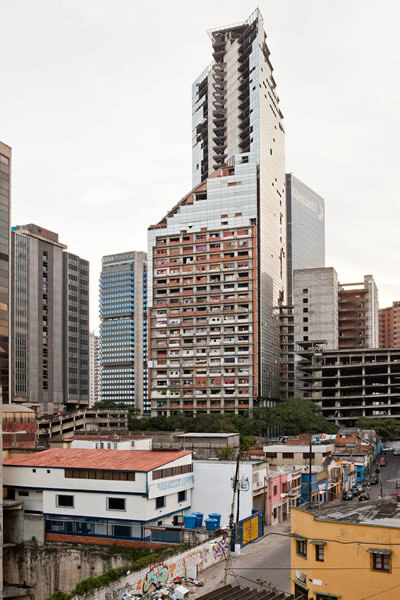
x,y
217,260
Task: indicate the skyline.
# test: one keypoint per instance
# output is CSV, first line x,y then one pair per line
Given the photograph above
x,y
72,114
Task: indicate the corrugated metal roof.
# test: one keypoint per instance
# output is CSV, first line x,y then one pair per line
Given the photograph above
x,y
227,592
114,460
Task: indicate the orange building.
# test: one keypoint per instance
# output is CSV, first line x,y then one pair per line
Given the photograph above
x,y
389,326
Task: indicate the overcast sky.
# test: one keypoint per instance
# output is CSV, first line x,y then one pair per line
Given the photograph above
x,y
95,100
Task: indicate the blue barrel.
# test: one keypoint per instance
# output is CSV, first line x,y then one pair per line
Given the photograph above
x,y
217,517
199,519
190,521
211,524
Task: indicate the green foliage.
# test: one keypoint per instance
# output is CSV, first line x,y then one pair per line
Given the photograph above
x,y
226,453
60,596
298,415
387,429
246,442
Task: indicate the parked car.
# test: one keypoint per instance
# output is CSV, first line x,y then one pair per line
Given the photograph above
x,y
382,462
355,490
363,496
397,452
348,496
387,449
373,480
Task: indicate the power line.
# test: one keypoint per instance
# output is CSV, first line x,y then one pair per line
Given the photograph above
x,y
292,536
381,592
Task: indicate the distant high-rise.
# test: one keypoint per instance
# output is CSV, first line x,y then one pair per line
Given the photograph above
x,y
343,315
389,326
5,199
50,322
217,260
123,329
305,229
94,368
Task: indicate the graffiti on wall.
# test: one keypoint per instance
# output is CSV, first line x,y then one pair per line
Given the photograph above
x,y
157,575
219,549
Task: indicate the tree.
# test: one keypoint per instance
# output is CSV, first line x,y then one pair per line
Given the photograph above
x,y
387,429
226,453
298,415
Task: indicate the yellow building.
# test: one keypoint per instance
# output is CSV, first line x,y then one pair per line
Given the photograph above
x,y
348,550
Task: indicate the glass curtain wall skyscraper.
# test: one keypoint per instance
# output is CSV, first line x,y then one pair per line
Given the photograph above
x,y
305,229
123,329
223,245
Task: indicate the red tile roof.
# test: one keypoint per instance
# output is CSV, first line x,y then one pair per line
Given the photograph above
x,y
111,460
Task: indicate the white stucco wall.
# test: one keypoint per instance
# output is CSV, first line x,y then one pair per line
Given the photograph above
x,y
213,491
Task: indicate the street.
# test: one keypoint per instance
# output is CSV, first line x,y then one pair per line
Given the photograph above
x,y
268,560
387,477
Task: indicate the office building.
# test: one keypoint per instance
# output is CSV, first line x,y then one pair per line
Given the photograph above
x,y
217,264
76,331
50,316
305,229
389,326
5,200
359,314
123,329
94,368
316,315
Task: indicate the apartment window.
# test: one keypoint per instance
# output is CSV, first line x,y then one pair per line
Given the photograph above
x,y
65,501
305,309
301,547
116,504
319,553
305,328
160,502
380,560
287,454
23,493
305,319
182,496
305,300
305,290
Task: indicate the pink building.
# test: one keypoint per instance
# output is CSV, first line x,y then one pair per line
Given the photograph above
x,y
284,491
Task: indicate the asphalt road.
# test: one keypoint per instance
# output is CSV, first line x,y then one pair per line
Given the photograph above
x,y
265,562
387,477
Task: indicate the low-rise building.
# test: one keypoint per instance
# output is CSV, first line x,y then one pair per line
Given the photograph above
x,y
294,455
100,496
98,421
284,492
347,551
213,491
208,445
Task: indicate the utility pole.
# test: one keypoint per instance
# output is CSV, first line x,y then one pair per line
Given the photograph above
x,y
231,517
310,470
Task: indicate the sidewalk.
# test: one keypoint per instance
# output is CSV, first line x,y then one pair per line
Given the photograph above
x,y
213,577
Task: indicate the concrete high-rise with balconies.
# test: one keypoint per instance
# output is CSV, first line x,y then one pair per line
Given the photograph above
x,y
217,260
389,326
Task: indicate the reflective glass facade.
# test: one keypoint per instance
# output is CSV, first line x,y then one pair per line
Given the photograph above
x,y
5,184
236,112
123,329
305,228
